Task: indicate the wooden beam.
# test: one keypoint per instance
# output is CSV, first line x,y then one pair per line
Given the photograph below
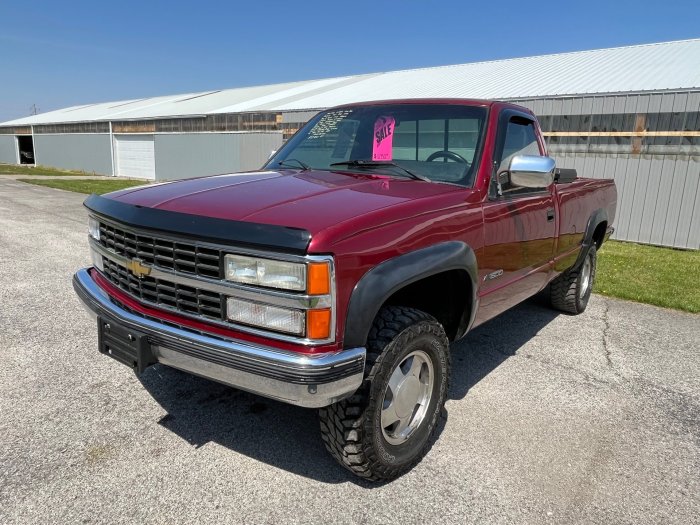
x,y
621,133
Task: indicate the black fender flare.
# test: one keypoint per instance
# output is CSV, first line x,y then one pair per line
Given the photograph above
x,y
385,279
596,218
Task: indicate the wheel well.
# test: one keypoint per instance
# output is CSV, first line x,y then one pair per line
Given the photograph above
x,y
599,233
446,296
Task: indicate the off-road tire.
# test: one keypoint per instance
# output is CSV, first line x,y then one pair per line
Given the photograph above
x,y
565,291
351,428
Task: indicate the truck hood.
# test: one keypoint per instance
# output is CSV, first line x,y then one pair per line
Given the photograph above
x,y
311,200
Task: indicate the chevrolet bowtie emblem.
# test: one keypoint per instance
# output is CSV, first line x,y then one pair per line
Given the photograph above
x,y
136,267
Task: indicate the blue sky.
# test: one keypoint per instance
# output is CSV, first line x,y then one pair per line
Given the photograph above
x,y
57,54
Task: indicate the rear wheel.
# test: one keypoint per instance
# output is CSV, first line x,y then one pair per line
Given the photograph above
x,y
389,424
571,291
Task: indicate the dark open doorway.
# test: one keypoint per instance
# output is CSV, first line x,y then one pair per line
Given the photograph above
x,y
25,144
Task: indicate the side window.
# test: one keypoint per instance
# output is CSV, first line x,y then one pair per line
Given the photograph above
x,y
520,139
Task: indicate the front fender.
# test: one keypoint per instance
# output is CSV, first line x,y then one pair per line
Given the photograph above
x,y
385,279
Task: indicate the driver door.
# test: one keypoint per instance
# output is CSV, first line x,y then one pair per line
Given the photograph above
x,y
519,226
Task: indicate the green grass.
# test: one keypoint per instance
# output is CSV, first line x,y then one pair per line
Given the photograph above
x,y
650,274
86,186
14,169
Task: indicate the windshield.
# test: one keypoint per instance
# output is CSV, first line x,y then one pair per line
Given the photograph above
x,y
438,142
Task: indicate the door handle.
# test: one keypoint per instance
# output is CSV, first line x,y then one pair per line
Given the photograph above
x,y
550,214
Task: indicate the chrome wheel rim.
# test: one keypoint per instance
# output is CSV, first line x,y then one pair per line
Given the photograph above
x,y
407,397
585,277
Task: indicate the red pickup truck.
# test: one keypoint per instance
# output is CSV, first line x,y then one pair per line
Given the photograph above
x,y
337,276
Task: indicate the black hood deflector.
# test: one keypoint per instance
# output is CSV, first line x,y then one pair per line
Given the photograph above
x,y
197,227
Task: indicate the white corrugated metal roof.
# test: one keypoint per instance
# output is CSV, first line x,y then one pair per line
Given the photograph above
x,y
650,67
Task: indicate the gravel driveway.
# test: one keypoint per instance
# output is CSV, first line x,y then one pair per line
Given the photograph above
x,y
551,418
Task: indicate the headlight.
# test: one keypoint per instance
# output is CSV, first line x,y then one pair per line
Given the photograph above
x,y
276,274
94,228
314,321
266,316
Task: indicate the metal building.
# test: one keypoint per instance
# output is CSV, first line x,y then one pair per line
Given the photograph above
x,y
631,113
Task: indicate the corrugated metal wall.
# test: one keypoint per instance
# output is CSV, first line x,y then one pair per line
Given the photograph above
x,y
658,191
76,151
256,148
185,155
8,149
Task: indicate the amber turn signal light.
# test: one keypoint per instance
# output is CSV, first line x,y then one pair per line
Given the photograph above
x,y
318,324
319,279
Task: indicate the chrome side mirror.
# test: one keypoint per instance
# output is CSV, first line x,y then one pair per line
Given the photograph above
x,y
531,171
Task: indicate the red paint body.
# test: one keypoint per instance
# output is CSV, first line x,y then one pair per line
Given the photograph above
x,y
365,219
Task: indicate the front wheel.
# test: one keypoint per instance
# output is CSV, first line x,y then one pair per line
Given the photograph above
x,y
571,291
389,424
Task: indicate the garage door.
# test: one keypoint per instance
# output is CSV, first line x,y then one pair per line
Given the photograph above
x,y
135,156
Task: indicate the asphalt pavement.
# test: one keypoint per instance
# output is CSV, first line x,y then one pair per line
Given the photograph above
x,y
551,418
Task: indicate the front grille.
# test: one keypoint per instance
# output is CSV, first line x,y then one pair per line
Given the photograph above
x,y
180,256
165,293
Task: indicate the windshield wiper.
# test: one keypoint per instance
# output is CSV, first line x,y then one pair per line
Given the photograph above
x,y
375,164
296,163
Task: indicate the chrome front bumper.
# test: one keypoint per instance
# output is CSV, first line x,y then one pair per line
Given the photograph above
x,y
300,379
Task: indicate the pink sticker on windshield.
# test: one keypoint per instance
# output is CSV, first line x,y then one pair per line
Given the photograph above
x,y
383,138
